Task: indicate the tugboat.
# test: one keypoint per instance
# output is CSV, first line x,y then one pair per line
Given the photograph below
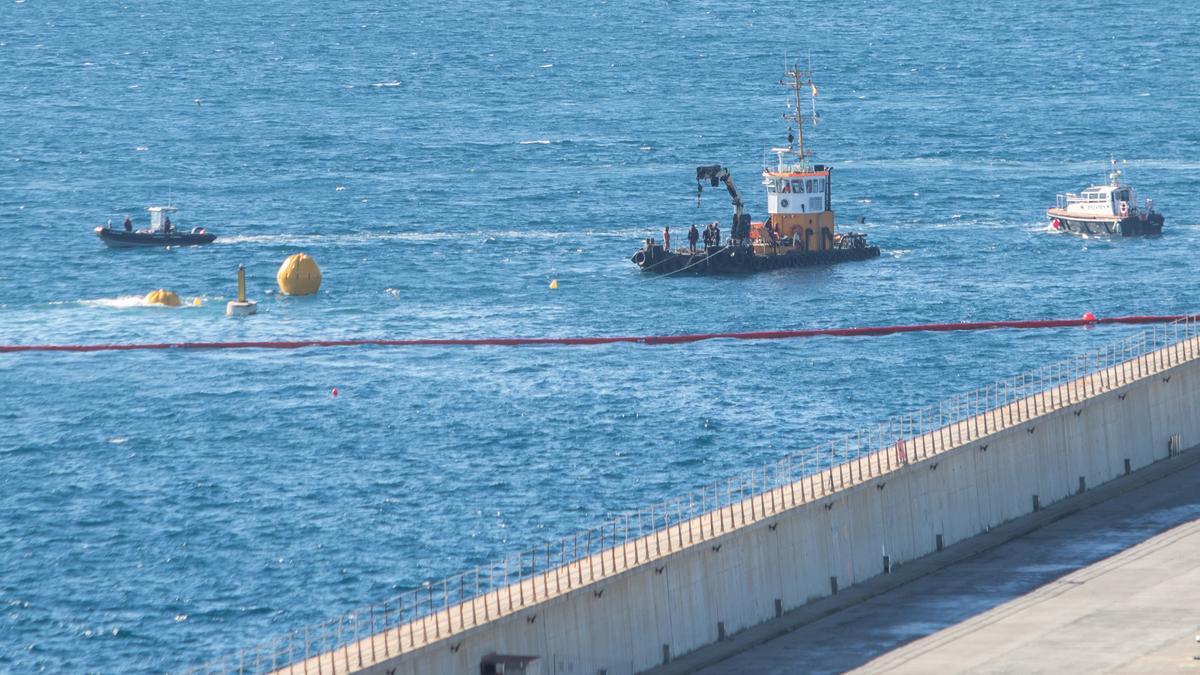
x,y
162,232
799,231
1105,210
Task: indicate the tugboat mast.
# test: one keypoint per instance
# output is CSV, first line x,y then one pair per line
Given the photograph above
x,y
797,79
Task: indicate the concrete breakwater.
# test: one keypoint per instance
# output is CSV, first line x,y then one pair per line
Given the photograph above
x,y
644,588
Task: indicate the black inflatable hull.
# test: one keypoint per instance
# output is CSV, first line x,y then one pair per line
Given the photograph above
x,y
1133,226
740,260
123,239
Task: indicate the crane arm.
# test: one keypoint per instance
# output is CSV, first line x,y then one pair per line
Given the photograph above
x,y
716,174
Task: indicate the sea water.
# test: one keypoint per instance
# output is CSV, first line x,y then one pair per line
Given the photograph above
x,y
443,164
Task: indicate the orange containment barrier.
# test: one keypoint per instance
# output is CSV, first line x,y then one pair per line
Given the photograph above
x,y
864,331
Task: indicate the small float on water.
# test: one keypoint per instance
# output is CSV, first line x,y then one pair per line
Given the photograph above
x,y
1105,210
800,229
162,232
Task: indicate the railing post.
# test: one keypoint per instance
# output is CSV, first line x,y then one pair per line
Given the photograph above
x,y
654,534
637,556
987,408
691,509
357,641
921,433
753,484
792,479
625,543
374,658
588,556
600,551
508,587
679,524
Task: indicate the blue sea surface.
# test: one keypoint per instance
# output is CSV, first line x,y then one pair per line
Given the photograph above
x,y
443,164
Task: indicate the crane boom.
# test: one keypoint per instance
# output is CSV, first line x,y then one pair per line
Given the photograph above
x,y
716,174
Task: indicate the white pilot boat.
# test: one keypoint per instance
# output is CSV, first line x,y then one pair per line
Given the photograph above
x,y
1105,210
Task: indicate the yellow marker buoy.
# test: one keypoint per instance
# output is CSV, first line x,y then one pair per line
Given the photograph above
x,y
553,284
196,302
241,306
162,297
299,275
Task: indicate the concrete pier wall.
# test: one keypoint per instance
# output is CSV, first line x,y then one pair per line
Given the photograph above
x,y
672,604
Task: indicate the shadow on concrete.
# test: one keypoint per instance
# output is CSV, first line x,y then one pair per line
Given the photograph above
x,y
854,636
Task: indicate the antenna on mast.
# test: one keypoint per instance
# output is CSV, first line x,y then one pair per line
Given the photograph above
x,y
796,79
813,89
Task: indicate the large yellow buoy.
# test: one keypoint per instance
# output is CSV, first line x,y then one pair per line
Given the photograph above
x,y
299,275
162,297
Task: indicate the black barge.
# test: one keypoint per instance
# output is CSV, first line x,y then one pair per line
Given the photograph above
x,y
800,230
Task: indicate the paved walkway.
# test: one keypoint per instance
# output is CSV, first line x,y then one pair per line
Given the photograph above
x,y
1112,588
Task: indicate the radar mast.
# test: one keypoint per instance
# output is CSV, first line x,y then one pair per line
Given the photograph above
x,y
796,80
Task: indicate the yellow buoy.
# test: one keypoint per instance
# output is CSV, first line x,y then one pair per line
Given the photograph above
x,y
299,275
553,284
196,302
162,297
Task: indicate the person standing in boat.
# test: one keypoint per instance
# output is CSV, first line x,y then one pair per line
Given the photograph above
x,y
772,240
667,238
716,233
693,237
167,225
128,223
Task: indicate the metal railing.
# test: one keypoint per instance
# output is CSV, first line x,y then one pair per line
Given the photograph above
x,y
442,608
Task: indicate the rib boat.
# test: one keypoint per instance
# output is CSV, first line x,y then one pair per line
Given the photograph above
x,y
161,233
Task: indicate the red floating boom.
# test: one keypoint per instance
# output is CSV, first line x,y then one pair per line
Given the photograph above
x,y
1088,320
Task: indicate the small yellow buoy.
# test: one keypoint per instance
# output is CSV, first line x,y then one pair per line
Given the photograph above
x,y
553,284
162,297
299,275
196,302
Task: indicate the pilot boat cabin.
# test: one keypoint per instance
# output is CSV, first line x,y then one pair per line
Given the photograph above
x,y
1108,210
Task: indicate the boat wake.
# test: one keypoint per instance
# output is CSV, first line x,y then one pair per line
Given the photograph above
x,y
490,236
121,302
125,302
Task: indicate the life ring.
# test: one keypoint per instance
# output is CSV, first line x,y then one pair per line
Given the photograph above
x,y
1056,224
1124,209
639,258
